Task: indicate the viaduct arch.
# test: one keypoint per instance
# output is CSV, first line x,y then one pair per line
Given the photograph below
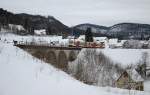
x,y
62,60
57,57
51,58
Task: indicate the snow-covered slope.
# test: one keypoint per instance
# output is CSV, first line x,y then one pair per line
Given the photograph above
x,y
22,74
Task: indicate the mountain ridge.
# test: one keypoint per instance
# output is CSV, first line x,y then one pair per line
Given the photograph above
x,y
55,27
31,22
120,30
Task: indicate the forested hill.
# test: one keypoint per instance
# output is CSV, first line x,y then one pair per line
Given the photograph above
x,y
121,30
55,27
32,22
130,30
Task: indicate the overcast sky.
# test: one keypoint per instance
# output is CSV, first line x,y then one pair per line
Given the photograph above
x,y
73,12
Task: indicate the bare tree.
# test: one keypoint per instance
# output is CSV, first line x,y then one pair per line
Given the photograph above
x,y
95,68
141,68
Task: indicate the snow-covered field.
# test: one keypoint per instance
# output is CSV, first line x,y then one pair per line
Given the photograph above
x,y
9,38
23,74
126,56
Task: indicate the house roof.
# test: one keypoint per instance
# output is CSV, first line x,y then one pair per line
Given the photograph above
x,y
101,38
133,74
113,41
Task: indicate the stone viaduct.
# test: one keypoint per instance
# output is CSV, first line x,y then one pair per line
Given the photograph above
x,y
57,56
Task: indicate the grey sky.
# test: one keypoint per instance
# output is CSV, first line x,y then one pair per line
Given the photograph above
x,y
72,12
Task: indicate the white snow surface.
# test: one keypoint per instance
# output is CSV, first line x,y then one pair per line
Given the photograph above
x,y
113,41
22,74
147,86
125,56
44,40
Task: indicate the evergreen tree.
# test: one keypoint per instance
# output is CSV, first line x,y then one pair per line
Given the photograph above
x,y
48,30
26,24
0,26
32,31
88,35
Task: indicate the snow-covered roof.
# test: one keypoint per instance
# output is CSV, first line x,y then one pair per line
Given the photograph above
x,y
40,32
113,41
134,75
81,37
101,39
70,37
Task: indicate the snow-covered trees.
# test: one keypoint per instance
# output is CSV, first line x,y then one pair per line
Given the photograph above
x,y
132,44
136,44
88,35
142,66
94,68
49,30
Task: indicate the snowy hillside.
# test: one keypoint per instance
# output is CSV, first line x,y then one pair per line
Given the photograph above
x,y
22,74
